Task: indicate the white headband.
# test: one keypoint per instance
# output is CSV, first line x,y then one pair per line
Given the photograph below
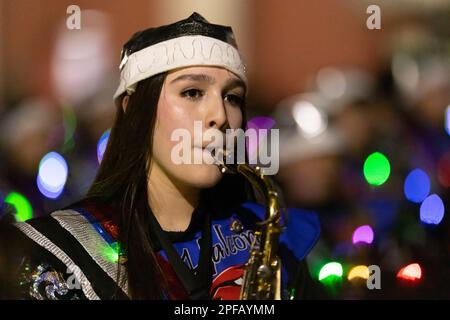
x,y
177,53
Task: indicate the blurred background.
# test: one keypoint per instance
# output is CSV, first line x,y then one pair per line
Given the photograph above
x,y
364,119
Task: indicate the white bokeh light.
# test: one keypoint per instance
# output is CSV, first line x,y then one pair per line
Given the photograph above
x,y
309,119
81,59
405,71
52,174
331,82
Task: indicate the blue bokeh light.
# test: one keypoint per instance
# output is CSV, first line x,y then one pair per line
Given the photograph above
x,y
432,210
447,120
417,186
101,145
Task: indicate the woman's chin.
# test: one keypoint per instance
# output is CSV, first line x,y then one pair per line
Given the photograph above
x,y
204,175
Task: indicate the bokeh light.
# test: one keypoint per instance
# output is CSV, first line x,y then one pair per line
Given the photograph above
x,y
432,210
406,72
101,145
443,170
360,271
24,211
258,123
70,124
52,175
309,119
331,269
77,74
447,120
363,234
111,252
417,186
332,82
261,122
377,169
410,272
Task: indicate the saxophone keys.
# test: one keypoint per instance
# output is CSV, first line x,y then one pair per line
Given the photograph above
x,y
236,226
264,271
275,264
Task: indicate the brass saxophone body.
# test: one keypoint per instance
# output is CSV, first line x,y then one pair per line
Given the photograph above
x,y
262,272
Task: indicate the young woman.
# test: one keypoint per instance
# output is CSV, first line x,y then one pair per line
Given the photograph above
x,y
151,228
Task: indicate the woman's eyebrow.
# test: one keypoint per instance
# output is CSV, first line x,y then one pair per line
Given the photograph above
x,y
199,77
235,83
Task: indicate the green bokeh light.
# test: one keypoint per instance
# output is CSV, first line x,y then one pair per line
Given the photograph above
x,y
24,211
377,169
111,252
70,125
331,269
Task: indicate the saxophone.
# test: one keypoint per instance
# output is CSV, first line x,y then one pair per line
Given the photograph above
x,y
262,272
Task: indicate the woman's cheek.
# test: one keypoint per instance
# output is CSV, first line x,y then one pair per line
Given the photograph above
x,y
172,118
235,118
175,115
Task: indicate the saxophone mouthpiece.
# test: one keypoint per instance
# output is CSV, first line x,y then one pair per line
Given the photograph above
x,y
222,158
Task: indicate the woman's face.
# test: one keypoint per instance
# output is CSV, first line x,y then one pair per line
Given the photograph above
x,y
211,95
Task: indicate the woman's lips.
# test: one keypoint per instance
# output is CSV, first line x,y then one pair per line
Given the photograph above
x,y
208,155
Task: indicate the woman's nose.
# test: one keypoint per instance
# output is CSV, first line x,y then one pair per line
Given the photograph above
x,y
216,115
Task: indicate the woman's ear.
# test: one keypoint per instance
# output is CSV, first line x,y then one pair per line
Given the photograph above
x,y
125,101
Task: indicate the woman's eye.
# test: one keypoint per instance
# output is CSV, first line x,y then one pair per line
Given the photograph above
x,y
192,94
234,99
